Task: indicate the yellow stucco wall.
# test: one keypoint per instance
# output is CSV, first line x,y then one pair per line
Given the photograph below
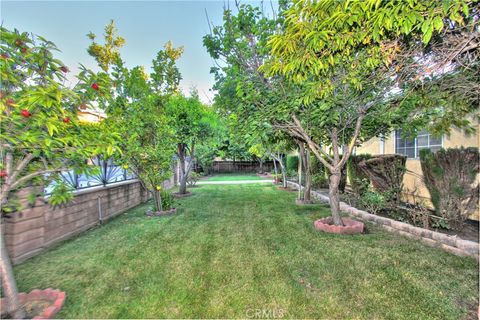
x,y
413,185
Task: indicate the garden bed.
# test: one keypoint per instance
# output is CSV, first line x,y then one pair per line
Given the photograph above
x,y
408,213
449,243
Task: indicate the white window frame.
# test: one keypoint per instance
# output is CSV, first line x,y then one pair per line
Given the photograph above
x,y
415,148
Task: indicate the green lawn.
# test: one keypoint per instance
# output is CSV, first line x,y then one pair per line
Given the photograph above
x,y
234,177
235,249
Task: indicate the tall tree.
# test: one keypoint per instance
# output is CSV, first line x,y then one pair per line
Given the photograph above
x,y
346,55
41,135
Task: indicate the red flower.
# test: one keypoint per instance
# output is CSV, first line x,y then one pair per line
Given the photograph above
x,y
26,113
3,173
95,86
64,69
24,50
18,42
66,120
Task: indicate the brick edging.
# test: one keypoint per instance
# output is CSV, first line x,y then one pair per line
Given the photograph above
x,y
451,244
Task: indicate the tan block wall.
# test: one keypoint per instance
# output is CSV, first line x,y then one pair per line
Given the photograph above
x,y
413,185
32,230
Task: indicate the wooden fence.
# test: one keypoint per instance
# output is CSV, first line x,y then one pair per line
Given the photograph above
x,y
240,167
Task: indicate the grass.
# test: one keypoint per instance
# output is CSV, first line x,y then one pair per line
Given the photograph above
x,y
234,177
235,251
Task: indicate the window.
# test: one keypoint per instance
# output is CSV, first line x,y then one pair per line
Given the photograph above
x,y
411,147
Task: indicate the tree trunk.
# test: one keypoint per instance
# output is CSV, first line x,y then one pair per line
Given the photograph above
x,y
261,165
284,173
183,173
157,200
334,196
304,160
183,185
300,165
9,284
275,167
308,178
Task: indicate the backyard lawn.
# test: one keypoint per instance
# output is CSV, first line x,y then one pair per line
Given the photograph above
x,y
233,177
234,249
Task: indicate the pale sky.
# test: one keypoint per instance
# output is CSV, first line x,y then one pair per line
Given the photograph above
x,y
146,26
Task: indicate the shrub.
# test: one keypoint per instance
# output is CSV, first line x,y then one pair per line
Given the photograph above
x,y
357,178
292,173
167,200
319,177
450,176
373,202
193,177
319,181
292,164
385,172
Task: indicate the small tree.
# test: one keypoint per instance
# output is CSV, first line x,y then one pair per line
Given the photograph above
x,y
40,134
147,140
192,124
137,110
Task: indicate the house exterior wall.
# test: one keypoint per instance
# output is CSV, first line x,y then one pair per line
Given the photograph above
x,y
414,188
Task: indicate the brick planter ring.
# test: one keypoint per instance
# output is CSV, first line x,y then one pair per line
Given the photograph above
x,y
182,195
303,202
54,298
162,213
350,226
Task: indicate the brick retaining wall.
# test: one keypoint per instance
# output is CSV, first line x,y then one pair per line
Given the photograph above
x,y
30,231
